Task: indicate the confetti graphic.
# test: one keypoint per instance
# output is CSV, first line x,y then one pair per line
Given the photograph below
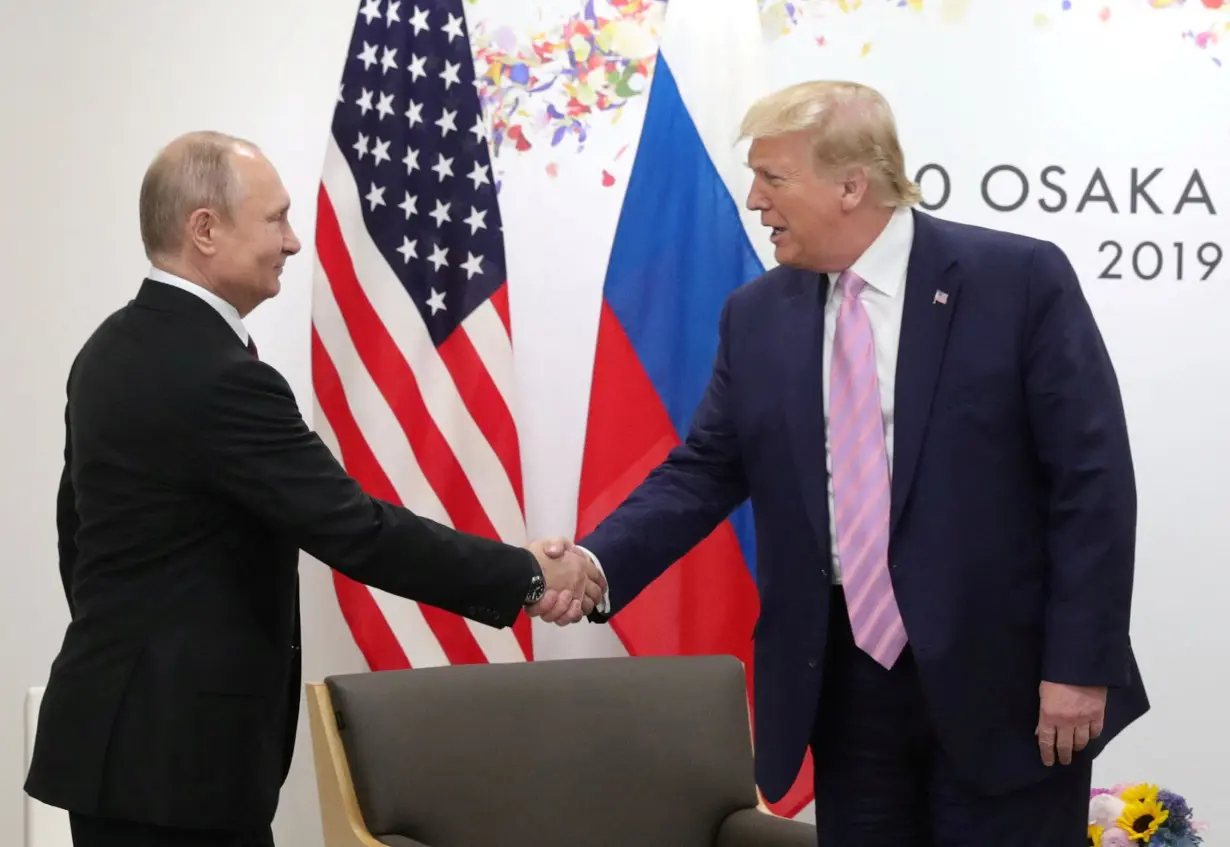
x,y
549,86
556,84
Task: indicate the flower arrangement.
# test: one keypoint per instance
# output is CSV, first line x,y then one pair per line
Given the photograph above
x,y
1141,815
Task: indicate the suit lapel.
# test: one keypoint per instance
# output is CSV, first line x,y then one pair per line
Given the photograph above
x,y
802,340
931,296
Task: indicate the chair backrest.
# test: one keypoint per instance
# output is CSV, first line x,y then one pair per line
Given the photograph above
x,y
645,751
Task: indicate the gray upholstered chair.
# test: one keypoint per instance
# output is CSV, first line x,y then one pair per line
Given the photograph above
x,y
643,752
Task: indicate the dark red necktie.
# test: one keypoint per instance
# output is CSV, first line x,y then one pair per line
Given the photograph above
x,y
252,348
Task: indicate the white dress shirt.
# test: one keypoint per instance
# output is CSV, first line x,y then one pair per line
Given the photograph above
x,y
883,266
228,312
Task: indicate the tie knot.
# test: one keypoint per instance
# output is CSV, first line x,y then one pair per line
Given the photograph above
x,y
851,284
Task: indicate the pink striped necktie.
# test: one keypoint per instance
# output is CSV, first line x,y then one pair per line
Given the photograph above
x,y
861,490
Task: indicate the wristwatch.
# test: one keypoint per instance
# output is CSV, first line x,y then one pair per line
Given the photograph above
x,y
538,584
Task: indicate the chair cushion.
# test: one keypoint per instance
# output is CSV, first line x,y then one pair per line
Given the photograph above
x,y
645,751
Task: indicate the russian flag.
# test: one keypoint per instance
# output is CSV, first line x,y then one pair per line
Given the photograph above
x,y
684,242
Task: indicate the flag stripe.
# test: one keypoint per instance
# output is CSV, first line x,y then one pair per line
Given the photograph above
x,y
390,632
390,432
392,454
499,302
336,427
461,465
482,397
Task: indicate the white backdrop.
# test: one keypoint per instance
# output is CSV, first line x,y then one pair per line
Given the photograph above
x,y
93,89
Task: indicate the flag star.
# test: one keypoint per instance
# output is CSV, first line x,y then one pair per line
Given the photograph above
x,y
416,67
385,106
436,301
387,63
411,161
439,256
479,175
453,28
341,93
391,15
479,129
450,74
368,56
447,122
371,10
360,146
408,249
415,113
443,167
364,102
441,213
419,21
410,205
381,151
477,220
472,265
375,197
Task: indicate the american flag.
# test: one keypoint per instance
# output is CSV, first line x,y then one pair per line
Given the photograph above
x,y
412,368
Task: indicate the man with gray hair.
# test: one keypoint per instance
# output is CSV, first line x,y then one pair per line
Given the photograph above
x,y
930,430
190,484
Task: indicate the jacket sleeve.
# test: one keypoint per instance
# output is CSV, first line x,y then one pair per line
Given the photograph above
x,y
258,452
681,501
1081,439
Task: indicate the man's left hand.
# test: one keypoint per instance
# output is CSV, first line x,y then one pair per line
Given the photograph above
x,y
1069,716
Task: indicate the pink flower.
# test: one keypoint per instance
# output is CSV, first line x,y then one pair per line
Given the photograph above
x,y
1116,838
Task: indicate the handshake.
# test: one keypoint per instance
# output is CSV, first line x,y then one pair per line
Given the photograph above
x,y
575,584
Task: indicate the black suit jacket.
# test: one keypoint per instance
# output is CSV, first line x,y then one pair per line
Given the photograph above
x,y
190,484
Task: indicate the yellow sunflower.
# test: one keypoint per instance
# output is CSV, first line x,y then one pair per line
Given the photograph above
x,y
1143,793
1141,818
1095,836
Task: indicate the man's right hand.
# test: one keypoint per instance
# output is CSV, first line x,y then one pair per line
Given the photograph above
x,y
574,584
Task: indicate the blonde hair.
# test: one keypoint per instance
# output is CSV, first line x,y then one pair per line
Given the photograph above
x,y
192,172
850,124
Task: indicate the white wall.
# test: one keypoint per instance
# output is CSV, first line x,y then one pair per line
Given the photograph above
x,y
91,90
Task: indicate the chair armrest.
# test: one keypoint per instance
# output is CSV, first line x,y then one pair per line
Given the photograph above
x,y
399,841
754,828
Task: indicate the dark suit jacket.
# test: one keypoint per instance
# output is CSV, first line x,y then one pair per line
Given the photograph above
x,y
1013,512
190,484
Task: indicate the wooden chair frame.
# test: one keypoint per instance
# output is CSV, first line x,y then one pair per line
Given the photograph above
x,y
340,818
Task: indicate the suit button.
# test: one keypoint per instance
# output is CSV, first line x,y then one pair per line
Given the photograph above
x,y
813,663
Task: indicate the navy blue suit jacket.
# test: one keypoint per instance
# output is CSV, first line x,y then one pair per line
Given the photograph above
x,y
1013,513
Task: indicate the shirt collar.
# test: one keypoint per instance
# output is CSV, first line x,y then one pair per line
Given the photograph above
x,y
883,263
229,313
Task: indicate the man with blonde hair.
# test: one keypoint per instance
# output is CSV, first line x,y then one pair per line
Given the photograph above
x,y
190,484
930,430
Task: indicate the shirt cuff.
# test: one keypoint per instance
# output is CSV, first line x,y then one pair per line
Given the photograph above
x,y
605,606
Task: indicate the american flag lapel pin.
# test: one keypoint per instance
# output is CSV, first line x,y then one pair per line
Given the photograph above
x,y
940,297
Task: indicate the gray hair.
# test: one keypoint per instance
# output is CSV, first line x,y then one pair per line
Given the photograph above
x,y
849,123
194,171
